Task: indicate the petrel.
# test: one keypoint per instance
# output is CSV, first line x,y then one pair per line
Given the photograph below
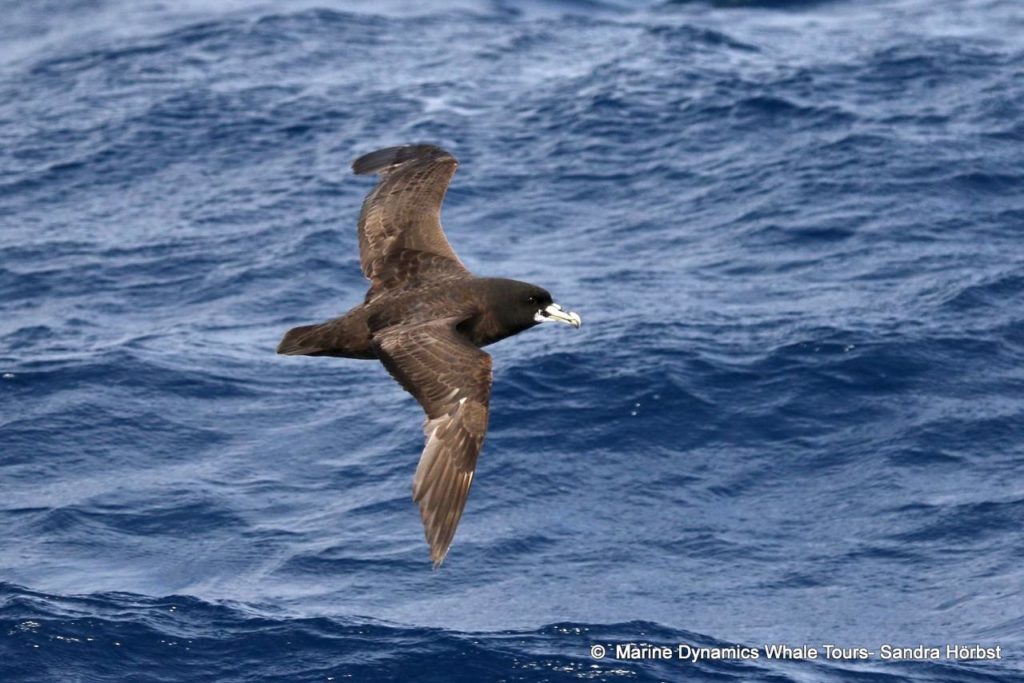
x,y
425,318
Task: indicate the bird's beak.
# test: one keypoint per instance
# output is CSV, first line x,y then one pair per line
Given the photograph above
x,y
554,313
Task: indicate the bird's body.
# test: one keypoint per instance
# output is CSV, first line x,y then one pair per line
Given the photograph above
x,y
351,335
425,318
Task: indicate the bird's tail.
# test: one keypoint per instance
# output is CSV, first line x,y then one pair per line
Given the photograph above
x,y
308,340
346,337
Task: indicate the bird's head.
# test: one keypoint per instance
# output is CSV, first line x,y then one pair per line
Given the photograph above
x,y
523,305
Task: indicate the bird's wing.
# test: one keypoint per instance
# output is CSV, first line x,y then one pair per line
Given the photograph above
x,y
451,378
400,234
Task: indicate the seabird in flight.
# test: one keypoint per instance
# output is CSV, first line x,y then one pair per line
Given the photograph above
x,y
425,318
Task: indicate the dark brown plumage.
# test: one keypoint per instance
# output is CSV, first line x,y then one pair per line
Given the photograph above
x,y
425,318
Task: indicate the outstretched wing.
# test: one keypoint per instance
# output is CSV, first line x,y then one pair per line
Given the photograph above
x,y
400,234
451,378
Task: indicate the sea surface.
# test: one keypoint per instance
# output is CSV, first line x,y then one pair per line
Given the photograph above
x,y
794,413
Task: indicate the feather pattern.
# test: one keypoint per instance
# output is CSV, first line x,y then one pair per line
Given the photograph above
x,y
451,379
400,233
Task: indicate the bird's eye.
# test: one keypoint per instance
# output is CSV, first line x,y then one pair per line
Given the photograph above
x,y
532,300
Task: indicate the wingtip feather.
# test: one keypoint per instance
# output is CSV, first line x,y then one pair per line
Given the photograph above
x,y
383,159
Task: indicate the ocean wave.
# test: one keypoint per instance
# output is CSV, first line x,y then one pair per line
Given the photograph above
x,y
166,638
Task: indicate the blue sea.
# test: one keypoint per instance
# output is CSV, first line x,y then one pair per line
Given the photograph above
x,y
794,414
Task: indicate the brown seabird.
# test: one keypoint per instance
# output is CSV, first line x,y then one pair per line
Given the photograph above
x,y
425,318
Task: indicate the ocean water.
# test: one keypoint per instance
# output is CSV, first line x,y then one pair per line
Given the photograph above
x,y
794,414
